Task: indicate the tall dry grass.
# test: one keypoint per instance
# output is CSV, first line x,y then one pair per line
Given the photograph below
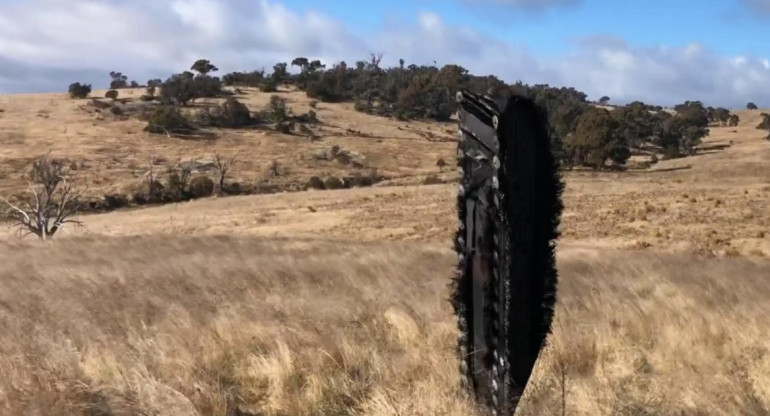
x,y
643,333
225,326
247,326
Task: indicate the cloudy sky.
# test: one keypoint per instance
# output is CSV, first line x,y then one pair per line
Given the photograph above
x,y
657,51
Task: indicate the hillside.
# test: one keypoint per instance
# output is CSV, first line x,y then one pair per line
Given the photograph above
x,y
116,152
334,302
663,206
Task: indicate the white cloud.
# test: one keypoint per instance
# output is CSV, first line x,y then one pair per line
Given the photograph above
x,y
761,6
524,4
82,40
146,38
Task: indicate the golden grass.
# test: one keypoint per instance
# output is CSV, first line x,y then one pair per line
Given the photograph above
x,y
184,326
727,191
115,153
222,325
656,334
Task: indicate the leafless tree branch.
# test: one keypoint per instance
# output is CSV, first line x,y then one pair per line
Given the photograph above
x,y
223,166
54,200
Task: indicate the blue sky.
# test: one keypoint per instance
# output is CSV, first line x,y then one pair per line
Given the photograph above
x,y
657,51
726,26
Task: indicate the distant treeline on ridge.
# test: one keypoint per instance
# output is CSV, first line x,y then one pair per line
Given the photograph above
x,y
583,132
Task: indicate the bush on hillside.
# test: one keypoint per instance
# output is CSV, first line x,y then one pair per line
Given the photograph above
x,y
167,119
333,182
231,114
201,187
765,123
277,110
183,88
78,90
315,183
115,201
249,79
269,85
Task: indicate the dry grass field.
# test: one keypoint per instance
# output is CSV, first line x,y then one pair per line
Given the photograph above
x,y
114,153
334,302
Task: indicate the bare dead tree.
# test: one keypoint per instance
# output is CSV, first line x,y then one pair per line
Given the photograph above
x,y
152,180
178,178
54,199
275,169
223,166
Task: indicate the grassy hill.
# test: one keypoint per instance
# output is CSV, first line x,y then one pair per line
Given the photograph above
x,y
334,302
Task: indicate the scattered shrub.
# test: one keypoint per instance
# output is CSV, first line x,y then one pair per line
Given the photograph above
x,y
153,192
177,181
359,181
308,118
167,119
269,85
285,127
205,86
201,186
178,89
235,114
249,79
364,106
78,90
765,123
100,105
315,183
115,201
277,110
333,182
231,114
115,110
233,188
111,94
432,180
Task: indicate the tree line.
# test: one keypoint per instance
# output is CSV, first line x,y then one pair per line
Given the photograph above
x,y
582,133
